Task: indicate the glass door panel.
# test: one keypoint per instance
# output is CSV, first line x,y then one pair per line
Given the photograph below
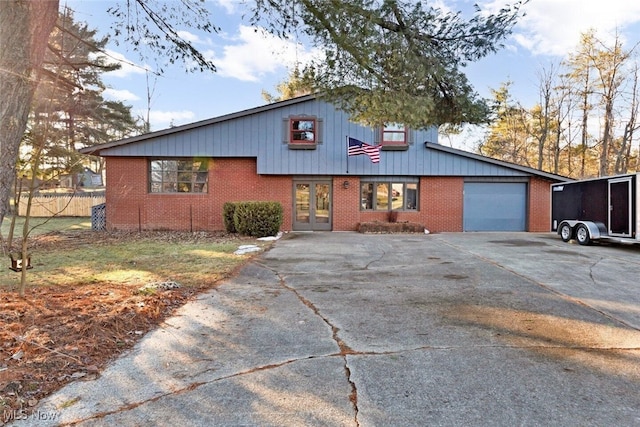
x,y
323,207
303,208
312,209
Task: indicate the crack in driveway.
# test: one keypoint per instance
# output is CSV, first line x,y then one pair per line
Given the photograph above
x,y
433,370
591,267
366,267
188,388
344,348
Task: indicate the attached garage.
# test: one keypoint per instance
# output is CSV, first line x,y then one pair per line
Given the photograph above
x,y
495,206
180,178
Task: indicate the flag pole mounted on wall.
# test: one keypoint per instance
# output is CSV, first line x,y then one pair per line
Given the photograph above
x,y
356,147
346,140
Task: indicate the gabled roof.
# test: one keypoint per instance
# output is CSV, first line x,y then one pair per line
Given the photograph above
x,y
473,156
273,167
95,150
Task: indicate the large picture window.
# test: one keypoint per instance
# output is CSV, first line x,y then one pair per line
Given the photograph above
x,y
178,176
387,196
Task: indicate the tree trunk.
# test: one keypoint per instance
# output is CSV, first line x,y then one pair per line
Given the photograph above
x,y
623,156
25,26
585,129
556,150
606,140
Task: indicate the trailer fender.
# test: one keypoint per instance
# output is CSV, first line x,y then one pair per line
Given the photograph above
x,y
593,230
596,229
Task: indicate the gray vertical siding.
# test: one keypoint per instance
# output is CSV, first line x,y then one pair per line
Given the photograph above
x,y
259,133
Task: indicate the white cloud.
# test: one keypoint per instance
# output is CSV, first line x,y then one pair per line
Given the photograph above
x,y
127,68
120,95
188,36
553,27
256,53
228,5
164,119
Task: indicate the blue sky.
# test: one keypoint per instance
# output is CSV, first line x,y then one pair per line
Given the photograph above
x,y
250,61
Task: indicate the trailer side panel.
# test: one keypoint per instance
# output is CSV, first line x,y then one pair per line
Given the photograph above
x,y
578,201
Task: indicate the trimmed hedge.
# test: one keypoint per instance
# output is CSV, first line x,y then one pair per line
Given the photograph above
x,y
256,219
228,209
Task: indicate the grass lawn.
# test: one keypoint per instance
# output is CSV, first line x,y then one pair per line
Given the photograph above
x,y
46,225
64,251
88,298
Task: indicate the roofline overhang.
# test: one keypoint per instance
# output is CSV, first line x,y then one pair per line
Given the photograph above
x,y
473,156
96,150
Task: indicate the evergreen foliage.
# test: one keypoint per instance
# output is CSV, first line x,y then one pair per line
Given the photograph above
x,y
394,61
228,212
258,219
68,111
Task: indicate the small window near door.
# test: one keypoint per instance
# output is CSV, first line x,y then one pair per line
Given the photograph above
x,y
387,196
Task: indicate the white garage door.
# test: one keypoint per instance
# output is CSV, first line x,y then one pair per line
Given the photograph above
x,y
495,206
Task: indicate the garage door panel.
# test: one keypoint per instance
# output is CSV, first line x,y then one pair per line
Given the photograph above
x,y
495,206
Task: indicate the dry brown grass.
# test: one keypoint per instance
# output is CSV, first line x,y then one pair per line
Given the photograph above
x,y
84,304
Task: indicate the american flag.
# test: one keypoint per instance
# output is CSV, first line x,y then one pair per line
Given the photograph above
x,y
357,147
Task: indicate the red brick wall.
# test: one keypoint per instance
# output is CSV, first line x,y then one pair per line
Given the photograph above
x,y
131,207
126,180
235,180
441,201
440,206
346,211
539,205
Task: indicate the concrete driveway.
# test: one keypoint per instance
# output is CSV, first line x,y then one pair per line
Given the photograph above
x,y
345,329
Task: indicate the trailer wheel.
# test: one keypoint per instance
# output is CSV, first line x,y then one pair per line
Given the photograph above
x,y
565,232
582,235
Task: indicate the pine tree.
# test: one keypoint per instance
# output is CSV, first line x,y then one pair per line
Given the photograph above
x,y
68,105
394,61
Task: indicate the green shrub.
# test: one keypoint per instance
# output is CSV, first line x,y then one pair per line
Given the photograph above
x,y
257,219
227,216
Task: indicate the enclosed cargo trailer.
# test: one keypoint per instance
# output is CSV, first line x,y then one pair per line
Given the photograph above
x,y
596,209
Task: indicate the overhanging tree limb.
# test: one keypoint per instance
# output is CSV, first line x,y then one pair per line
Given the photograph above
x,y
395,61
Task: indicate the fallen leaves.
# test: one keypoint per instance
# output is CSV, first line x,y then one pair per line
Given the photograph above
x,y
58,334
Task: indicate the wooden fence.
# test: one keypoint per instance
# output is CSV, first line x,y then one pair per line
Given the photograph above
x,y
61,204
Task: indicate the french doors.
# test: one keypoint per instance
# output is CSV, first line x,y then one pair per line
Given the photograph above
x,y
312,205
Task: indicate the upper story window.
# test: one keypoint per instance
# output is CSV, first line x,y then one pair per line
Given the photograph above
x,y
178,175
394,136
302,131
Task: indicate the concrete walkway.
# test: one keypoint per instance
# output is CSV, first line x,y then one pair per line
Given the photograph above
x,y
345,329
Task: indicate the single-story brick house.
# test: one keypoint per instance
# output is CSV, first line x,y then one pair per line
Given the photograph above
x,y
295,152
